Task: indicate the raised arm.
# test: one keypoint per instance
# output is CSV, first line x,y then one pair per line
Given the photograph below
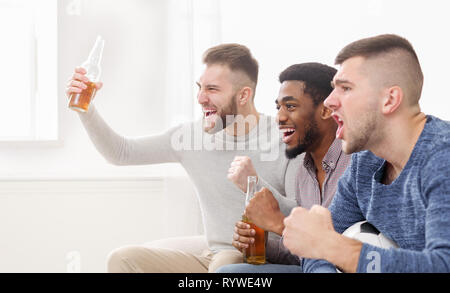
x,y
118,149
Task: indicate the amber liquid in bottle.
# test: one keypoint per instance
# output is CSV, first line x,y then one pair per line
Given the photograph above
x,y
255,253
80,101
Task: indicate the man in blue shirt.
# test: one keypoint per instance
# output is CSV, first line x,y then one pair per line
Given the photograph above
x,y
399,180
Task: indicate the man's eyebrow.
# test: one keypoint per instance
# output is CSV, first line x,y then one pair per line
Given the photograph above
x,y
340,81
215,86
286,99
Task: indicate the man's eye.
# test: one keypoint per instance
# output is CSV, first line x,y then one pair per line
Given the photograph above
x,y
278,107
290,107
346,88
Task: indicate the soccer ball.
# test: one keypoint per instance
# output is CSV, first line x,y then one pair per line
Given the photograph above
x,y
367,233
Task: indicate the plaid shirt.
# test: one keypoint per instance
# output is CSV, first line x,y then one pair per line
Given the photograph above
x,y
334,164
308,193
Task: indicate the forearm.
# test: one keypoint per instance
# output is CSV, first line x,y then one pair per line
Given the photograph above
x,y
336,251
278,224
286,204
107,142
352,256
119,150
342,251
376,259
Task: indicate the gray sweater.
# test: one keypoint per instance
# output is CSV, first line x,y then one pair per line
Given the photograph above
x,y
206,158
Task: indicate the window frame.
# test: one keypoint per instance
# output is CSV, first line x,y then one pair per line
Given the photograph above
x,y
44,116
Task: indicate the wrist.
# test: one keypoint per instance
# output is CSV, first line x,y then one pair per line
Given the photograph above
x,y
278,226
343,252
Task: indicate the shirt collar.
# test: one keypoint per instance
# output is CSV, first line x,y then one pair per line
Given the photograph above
x,y
330,159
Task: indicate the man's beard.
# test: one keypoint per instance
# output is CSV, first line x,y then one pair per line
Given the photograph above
x,y
229,110
365,131
311,136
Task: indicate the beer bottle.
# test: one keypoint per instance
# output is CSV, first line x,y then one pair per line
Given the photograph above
x,y
80,101
255,253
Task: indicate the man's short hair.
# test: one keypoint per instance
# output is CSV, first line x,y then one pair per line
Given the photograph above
x,y
399,56
316,77
237,57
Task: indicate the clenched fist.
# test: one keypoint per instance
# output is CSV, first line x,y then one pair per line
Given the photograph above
x,y
239,170
307,231
310,234
263,210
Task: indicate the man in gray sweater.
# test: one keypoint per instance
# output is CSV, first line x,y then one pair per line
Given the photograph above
x,y
231,126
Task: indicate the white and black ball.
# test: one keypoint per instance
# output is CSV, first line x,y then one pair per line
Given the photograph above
x,y
367,233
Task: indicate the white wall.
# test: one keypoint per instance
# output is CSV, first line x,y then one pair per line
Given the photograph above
x,y
284,32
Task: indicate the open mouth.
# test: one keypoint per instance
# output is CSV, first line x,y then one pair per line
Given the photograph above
x,y
287,134
340,123
209,116
209,113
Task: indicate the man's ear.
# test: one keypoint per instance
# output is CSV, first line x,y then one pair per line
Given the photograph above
x,y
392,100
325,113
245,96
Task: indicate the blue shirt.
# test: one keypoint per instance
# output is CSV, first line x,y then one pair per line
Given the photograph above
x,y
414,210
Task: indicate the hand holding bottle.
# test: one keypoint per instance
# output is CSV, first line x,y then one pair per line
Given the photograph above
x,y
255,253
84,84
79,82
243,236
263,210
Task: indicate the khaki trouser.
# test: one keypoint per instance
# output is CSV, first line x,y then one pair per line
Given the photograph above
x,y
172,255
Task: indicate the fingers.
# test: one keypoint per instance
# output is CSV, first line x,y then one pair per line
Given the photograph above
x,y
77,83
241,158
75,86
242,242
243,229
319,210
295,213
80,77
80,70
242,235
242,225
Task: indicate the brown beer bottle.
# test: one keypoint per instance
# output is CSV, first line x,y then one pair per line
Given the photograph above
x,y
80,101
255,253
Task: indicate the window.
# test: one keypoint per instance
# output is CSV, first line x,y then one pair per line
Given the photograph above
x,y
28,75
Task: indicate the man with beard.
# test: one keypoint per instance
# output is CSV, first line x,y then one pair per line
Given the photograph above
x,y
307,127
399,177
231,126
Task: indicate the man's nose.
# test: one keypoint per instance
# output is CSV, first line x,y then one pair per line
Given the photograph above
x,y
202,98
332,101
281,116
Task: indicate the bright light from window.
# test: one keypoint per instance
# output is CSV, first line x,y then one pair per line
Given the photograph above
x,y
16,59
28,70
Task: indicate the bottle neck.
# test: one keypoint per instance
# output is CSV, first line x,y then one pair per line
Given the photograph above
x,y
251,189
94,60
